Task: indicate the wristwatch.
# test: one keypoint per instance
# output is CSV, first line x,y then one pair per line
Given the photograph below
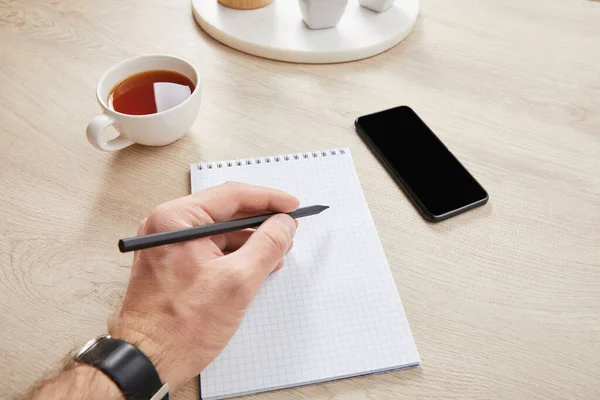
x,y
126,366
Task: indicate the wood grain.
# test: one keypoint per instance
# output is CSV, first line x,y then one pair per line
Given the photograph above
x,y
503,300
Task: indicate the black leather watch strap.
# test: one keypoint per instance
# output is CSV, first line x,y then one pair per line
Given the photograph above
x,y
126,365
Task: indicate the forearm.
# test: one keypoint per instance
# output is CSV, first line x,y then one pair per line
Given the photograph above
x,y
76,381
79,381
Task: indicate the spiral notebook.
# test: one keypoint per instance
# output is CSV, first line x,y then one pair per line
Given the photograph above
x,y
333,311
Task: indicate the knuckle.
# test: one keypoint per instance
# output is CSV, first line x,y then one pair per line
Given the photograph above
x,y
275,243
157,219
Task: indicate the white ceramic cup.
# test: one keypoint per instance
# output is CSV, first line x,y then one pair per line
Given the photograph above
x,y
322,14
157,129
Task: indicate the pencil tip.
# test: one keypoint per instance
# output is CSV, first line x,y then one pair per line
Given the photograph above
x,y
323,208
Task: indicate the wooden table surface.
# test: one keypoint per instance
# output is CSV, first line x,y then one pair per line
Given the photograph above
x,y
504,301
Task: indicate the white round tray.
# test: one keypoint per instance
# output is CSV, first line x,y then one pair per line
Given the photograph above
x,y
278,32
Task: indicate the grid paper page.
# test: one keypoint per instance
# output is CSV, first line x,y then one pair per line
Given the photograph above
x,y
333,311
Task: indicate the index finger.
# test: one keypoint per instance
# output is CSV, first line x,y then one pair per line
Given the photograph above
x,y
223,201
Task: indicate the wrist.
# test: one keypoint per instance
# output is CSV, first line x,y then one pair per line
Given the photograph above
x,y
77,381
152,345
87,377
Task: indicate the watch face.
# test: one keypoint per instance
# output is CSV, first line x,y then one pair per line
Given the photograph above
x,y
90,344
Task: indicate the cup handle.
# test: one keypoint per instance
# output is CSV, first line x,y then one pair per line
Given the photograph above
x,y
94,133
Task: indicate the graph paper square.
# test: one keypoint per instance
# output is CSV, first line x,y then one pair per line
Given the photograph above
x,y
333,311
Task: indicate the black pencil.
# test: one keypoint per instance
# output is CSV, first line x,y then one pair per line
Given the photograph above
x,y
162,238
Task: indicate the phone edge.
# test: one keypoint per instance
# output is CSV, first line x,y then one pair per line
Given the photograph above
x,y
403,186
425,213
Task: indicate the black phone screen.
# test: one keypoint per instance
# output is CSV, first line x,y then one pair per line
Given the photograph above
x,y
438,182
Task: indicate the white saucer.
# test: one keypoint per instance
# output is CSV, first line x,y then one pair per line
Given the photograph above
x,y
278,32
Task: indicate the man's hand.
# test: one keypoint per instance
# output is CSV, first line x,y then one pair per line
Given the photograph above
x,y
185,301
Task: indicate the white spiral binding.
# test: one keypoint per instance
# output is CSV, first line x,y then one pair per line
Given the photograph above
x,y
270,159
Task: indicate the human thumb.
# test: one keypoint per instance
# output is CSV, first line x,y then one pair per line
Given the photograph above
x,y
266,247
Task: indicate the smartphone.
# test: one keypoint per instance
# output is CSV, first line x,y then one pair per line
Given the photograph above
x,y
436,182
